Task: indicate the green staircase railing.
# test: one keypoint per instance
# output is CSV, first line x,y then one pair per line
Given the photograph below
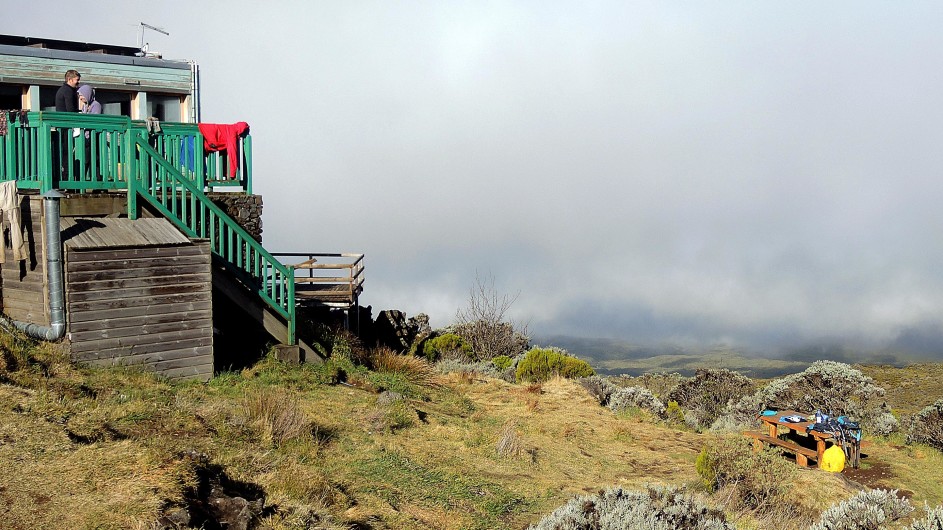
x,y
177,197
168,170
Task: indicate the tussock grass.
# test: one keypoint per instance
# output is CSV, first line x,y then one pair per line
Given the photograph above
x,y
509,442
276,416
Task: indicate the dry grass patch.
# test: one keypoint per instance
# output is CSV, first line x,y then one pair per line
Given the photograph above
x,y
908,389
509,441
276,416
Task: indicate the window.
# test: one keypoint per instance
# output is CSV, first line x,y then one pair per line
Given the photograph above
x,y
11,97
164,108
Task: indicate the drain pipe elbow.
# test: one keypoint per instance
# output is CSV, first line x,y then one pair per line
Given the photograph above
x,y
56,328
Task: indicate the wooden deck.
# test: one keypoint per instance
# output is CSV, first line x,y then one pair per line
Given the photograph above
x,y
326,279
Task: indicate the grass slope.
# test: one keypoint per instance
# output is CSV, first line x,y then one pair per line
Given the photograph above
x,y
84,448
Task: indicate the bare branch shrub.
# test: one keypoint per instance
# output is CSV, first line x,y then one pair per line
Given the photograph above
x,y
660,383
482,323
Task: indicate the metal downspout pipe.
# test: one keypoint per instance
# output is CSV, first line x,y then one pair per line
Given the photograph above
x,y
56,328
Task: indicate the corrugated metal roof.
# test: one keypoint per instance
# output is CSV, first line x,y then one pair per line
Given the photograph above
x,y
110,232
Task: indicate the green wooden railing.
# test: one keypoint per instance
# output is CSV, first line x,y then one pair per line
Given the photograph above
x,y
169,170
178,198
72,151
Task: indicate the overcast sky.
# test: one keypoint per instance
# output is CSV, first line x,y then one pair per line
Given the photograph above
x,y
757,174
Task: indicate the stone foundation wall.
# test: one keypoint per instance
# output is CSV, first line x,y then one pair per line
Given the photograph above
x,y
244,209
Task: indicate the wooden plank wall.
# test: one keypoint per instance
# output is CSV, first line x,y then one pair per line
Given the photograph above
x,y
148,306
101,71
24,282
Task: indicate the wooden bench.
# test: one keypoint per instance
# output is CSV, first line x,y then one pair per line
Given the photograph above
x,y
803,454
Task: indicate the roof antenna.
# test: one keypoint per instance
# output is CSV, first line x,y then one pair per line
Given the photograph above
x,y
143,45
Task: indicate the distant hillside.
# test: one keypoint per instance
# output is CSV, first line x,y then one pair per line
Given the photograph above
x,y
617,357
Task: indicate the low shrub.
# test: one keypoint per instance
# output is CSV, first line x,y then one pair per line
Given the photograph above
x,y
448,344
540,364
708,394
867,510
490,339
926,426
832,387
759,479
675,414
502,362
932,521
636,396
656,508
599,387
660,383
446,366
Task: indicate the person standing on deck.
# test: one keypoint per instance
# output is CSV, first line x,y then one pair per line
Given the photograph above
x,y
87,102
88,105
67,99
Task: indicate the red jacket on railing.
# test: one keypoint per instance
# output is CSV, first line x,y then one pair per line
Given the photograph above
x,y
220,137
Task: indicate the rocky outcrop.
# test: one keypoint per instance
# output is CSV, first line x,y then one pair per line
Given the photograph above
x,y
393,330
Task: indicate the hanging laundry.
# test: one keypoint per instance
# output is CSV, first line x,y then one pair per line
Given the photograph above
x,y
188,153
219,137
10,210
152,125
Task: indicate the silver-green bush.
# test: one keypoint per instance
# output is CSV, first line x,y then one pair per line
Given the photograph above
x,y
657,508
867,510
926,426
832,387
708,394
635,396
599,387
933,520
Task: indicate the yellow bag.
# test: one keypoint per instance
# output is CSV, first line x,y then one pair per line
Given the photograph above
x,y
833,460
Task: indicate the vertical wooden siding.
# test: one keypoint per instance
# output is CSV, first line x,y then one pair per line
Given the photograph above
x,y
148,306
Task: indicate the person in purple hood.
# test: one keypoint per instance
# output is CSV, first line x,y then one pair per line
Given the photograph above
x,y
87,103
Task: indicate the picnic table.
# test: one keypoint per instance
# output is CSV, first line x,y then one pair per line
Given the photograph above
x,y
772,424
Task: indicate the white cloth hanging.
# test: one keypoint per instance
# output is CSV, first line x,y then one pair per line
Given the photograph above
x,y
10,210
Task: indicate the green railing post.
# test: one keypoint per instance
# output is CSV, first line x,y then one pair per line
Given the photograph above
x,y
129,173
45,155
291,304
247,153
